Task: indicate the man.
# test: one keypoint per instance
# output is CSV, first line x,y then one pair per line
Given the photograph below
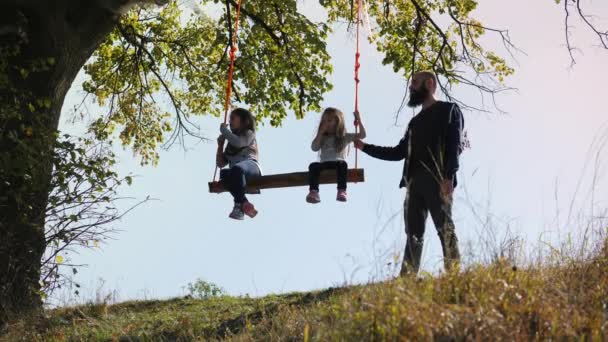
x,y
431,147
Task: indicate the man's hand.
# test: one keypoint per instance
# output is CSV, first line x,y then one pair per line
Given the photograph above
x,y
359,144
223,126
447,188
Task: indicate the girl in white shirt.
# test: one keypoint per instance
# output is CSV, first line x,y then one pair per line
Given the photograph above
x,y
332,142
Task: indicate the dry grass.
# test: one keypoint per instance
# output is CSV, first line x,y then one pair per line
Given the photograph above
x,y
560,300
497,302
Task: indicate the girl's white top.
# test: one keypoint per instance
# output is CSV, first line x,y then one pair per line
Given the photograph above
x,y
328,149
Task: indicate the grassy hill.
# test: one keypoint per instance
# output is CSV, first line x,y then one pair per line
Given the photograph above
x,y
565,300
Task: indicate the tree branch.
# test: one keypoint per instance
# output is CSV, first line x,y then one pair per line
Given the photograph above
x,y
601,35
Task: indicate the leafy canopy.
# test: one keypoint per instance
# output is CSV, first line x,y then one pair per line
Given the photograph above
x,y
161,67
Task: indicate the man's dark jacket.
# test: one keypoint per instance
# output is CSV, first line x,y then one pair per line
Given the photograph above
x,y
432,143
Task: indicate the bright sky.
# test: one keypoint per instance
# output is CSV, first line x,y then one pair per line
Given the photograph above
x,y
517,165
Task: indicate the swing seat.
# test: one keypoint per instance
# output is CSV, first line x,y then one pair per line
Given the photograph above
x,y
288,180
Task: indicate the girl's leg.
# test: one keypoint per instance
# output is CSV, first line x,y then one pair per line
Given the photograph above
x,y
226,178
314,172
236,184
341,173
229,179
250,169
247,169
239,175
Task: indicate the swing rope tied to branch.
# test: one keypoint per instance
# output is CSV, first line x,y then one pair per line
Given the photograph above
x,y
288,179
357,66
233,50
232,53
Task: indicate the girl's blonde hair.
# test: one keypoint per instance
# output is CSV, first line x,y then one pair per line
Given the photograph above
x,y
340,132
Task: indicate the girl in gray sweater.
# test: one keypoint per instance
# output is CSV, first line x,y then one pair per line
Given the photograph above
x,y
241,157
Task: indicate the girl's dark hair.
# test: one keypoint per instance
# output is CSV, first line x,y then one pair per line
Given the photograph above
x,y
247,119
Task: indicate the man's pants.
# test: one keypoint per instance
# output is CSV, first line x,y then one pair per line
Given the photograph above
x,y
424,196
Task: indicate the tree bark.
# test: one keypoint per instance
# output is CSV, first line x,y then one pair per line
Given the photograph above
x,y
54,40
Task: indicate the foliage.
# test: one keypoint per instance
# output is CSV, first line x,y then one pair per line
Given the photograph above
x,y
82,205
437,35
23,142
156,55
170,56
202,289
25,150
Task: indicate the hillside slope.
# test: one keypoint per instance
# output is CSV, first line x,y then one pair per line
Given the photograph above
x,y
494,302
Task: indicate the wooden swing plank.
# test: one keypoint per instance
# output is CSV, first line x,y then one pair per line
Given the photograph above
x,y
287,180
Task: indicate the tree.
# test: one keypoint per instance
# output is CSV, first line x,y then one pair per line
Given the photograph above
x,y
82,207
42,49
146,57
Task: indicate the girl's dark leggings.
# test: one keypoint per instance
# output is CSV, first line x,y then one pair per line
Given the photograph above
x,y
314,172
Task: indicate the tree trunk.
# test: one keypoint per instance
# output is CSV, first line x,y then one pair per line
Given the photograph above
x,y
43,46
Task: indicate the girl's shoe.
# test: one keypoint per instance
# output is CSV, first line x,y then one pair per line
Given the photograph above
x,y
237,213
249,209
341,197
313,197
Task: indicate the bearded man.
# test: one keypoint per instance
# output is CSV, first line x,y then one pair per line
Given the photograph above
x,y
430,149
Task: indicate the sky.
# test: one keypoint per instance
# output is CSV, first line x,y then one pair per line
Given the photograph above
x,y
518,178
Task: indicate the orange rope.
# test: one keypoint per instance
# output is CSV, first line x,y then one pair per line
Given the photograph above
x,y
357,66
233,50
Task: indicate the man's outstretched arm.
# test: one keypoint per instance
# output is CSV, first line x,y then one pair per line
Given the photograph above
x,y
394,153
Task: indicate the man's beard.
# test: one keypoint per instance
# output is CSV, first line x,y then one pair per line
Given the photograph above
x,y
417,97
